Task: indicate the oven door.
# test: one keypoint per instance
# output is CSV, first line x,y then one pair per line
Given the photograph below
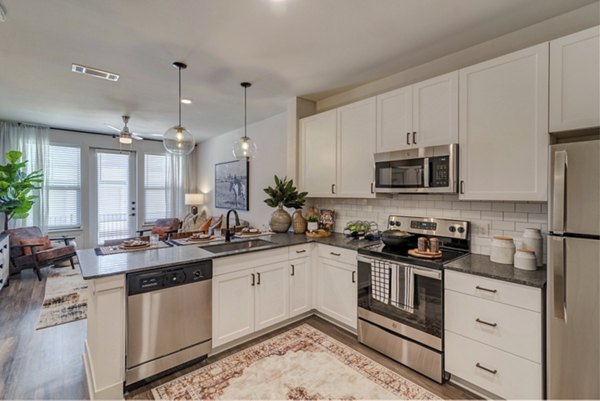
x,y
406,299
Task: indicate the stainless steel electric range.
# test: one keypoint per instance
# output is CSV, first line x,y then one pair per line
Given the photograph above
x,y
401,297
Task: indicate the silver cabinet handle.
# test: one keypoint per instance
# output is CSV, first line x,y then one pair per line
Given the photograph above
x,y
480,366
558,199
257,278
408,138
354,276
478,320
333,188
485,289
301,251
293,270
253,280
557,277
335,254
372,188
462,186
414,138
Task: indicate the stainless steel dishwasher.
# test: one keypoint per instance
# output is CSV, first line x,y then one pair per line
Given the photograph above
x,y
169,319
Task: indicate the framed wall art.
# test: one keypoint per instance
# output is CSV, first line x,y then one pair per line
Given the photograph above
x,y
231,185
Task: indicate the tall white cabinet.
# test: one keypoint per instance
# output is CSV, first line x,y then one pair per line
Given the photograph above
x,y
336,151
503,136
575,81
422,114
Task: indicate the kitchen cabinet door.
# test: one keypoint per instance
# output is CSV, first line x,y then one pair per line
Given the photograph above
x,y
232,306
318,137
394,120
357,126
300,286
272,295
503,120
337,291
435,111
575,81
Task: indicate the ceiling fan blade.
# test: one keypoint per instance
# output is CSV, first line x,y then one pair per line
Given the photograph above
x,y
137,137
113,128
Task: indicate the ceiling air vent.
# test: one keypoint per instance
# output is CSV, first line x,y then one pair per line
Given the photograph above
x,y
94,72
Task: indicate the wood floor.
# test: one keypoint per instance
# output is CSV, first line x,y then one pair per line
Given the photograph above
x,y
47,364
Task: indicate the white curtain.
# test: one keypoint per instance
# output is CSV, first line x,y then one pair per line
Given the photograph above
x,y
180,179
32,140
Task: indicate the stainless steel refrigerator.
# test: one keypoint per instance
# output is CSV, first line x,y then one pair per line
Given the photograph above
x,y
573,300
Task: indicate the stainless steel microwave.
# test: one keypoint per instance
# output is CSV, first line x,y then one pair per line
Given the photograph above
x,y
432,169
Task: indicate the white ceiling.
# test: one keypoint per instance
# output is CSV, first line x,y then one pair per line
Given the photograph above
x,y
286,48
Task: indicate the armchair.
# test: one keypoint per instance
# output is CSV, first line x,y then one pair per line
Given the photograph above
x,y
30,249
163,227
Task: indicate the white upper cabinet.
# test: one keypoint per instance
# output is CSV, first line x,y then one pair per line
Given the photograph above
x,y
318,147
356,146
574,81
423,114
503,136
435,111
394,120
336,151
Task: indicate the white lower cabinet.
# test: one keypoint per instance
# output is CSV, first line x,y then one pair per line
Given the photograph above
x,y
271,300
300,286
337,290
493,335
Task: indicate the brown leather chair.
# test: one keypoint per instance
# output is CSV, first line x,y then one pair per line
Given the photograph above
x,y
165,228
33,254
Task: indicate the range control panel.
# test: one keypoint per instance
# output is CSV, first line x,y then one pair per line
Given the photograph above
x,y
430,226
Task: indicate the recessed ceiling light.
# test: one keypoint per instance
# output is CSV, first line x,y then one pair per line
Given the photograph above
x,y
94,72
186,101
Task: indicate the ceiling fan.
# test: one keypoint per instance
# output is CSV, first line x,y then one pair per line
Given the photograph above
x,y
125,136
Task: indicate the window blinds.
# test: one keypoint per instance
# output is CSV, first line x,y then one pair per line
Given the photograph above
x,y
155,194
63,181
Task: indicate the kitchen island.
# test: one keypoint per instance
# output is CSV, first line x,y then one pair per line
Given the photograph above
x,y
105,347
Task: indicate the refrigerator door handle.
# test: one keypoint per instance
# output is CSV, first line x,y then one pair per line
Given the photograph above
x,y
558,277
559,193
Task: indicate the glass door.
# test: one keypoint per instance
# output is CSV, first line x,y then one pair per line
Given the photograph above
x,y
115,194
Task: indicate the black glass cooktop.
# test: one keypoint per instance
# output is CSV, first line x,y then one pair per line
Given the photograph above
x,y
400,254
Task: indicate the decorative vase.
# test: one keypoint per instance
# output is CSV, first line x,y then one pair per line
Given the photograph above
x,y
298,222
280,220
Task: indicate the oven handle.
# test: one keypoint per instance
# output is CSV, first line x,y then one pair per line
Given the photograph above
x,y
435,274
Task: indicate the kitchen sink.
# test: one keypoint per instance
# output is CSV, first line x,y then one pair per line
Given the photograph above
x,y
237,246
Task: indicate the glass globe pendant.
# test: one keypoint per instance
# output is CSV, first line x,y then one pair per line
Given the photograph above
x,y
245,148
177,139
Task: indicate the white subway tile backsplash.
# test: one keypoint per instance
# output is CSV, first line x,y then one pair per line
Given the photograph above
x,y
488,218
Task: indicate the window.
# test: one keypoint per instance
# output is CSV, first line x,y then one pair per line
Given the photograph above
x,y
155,187
63,179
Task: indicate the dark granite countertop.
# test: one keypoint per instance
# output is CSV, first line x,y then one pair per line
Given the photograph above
x,y
481,265
94,266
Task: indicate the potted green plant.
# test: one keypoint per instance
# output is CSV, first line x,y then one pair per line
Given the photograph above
x,y
16,199
283,194
313,222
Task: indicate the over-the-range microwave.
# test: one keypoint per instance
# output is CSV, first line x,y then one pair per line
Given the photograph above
x,y
432,169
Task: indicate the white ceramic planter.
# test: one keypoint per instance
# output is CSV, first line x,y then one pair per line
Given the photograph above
x,y
525,260
312,226
503,250
532,240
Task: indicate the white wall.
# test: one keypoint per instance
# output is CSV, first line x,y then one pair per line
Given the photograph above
x,y
270,136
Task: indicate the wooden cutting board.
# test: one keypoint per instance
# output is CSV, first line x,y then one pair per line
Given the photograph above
x,y
425,255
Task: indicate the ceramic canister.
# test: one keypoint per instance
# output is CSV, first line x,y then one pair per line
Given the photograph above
x,y
503,250
525,260
532,240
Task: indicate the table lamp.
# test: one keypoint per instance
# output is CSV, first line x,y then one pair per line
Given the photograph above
x,y
194,200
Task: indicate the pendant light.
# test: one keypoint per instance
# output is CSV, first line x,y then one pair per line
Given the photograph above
x,y
177,139
245,148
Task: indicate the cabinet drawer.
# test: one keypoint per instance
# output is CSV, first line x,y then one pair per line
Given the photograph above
x,y
230,264
512,329
514,377
494,290
347,256
299,251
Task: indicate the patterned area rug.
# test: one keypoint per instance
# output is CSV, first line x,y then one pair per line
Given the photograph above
x,y
300,364
65,299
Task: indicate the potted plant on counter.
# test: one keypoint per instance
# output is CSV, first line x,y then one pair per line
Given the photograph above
x,y
283,194
313,222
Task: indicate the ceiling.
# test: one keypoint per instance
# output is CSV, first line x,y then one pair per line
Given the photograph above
x,y
286,48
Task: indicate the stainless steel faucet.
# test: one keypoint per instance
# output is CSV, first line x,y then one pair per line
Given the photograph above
x,y
228,233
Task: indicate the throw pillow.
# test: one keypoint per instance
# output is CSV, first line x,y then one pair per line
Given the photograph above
x,y
42,240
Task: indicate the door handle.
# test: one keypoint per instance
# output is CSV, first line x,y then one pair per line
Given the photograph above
x,y
253,279
485,289
558,197
293,270
414,138
257,278
558,277
462,187
354,276
408,138
478,320
333,189
372,188
132,214
492,371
